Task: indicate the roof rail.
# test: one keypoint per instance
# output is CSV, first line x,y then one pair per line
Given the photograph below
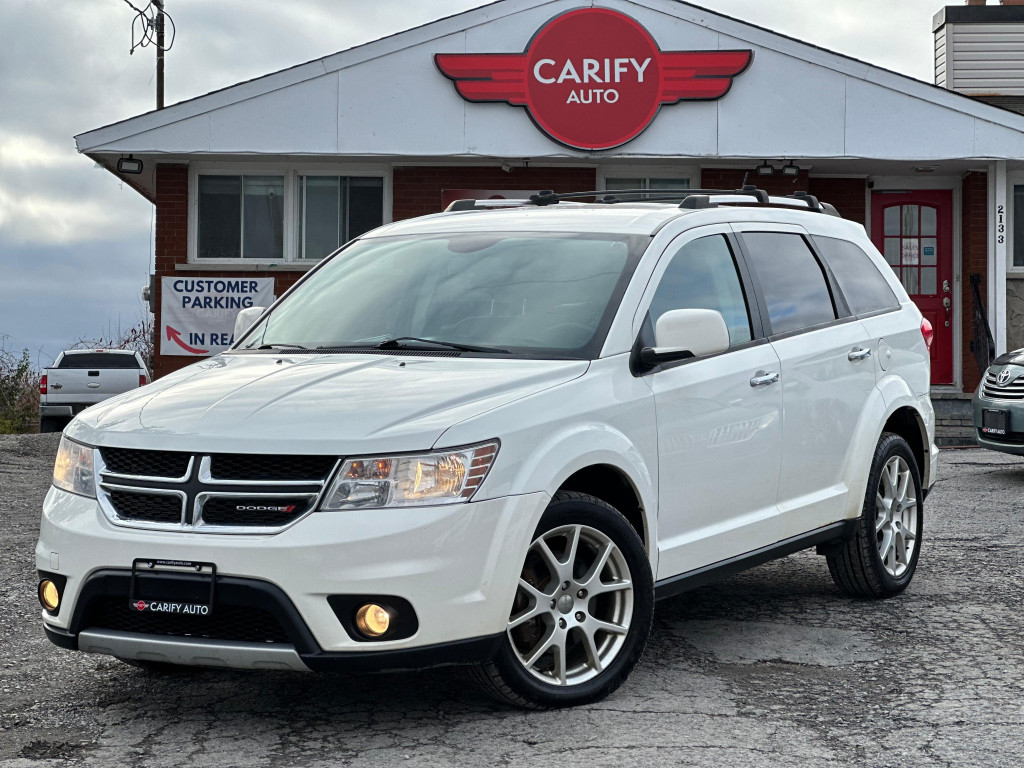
x,y
691,199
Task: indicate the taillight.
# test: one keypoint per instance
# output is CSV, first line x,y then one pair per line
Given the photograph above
x,y
928,332
143,380
42,385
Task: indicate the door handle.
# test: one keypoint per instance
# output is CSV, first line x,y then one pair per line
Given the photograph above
x,y
860,353
764,378
946,304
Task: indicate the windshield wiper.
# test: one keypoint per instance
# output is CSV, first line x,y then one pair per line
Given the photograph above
x,y
282,346
397,343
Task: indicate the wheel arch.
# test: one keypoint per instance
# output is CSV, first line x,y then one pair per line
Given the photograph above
x,y
614,486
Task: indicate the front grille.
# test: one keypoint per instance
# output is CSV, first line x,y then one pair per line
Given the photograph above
x,y
273,490
147,507
244,466
226,622
170,464
261,511
1012,390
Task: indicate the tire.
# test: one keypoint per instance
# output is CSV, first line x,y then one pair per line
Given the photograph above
x,y
52,424
610,585
857,565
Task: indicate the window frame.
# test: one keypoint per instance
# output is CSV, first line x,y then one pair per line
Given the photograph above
x,y
292,232
839,305
643,329
689,172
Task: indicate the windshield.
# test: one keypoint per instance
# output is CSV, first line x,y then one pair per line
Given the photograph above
x,y
533,294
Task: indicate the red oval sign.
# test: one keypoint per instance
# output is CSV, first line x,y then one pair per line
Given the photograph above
x,y
593,78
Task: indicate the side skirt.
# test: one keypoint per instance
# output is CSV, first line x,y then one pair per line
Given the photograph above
x,y
708,574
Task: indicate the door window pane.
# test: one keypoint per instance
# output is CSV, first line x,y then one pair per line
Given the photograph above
x,y
910,281
892,220
702,275
864,287
910,221
220,217
929,250
336,209
929,221
263,217
892,250
929,281
792,280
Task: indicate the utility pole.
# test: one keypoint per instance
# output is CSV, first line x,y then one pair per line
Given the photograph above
x,y
159,53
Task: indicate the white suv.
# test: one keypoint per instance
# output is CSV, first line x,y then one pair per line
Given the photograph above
x,y
495,436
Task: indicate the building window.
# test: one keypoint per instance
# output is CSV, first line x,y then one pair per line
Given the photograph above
x,y
653,183
335,209
1018,225
241,217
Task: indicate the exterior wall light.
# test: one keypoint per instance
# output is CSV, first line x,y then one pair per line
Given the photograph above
x,y
792,170
765,169
129,165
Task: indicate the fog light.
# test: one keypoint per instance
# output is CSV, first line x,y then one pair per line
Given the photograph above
x,y
373,620
49,595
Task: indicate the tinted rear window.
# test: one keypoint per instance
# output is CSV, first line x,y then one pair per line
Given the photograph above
x,y
96,360
792,280
862,284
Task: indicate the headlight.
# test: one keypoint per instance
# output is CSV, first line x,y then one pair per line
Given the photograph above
x,y
442,477
73,469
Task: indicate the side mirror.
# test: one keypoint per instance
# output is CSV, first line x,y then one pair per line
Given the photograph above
x,y
245,319
684,333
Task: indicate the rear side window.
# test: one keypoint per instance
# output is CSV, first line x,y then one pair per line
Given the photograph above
x,y
793,282
862,284
99,360
702,275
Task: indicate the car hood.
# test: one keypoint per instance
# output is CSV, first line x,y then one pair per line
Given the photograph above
x,y
317,404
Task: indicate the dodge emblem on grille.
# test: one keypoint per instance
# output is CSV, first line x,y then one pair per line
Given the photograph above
x,y
1004,376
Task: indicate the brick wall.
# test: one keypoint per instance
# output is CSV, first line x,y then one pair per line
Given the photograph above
x,y
418,190
849,196
974,234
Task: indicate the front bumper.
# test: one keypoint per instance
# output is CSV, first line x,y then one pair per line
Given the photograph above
x,y
458,566
1013,441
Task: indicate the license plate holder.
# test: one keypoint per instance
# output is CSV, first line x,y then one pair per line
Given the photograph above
x,y
994,421
161,596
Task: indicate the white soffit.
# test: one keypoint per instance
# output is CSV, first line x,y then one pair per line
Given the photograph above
x,y
387,99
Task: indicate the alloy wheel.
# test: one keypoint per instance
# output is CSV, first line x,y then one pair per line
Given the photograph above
x,y
572,611
896,517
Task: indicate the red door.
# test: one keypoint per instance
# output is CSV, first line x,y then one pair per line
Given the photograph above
x,y
914,230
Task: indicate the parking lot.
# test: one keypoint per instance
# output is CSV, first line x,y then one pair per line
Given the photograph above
x,y
772,667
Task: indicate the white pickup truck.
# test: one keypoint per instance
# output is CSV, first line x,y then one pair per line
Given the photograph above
x,y
79,378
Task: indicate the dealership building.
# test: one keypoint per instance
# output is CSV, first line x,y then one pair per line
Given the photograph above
x,y
254,183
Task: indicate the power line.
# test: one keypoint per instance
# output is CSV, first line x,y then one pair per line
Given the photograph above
x,y
145,25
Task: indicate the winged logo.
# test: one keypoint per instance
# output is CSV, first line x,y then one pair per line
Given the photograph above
x,y
593,78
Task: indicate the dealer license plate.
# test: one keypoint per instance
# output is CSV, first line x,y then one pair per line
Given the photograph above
x,y
172,587
993,422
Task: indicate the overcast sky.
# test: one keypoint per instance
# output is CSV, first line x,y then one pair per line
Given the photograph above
x,y
76,245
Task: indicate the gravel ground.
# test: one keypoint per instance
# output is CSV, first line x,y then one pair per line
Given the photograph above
x,y
770,668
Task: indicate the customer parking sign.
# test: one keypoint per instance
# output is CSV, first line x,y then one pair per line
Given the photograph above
x,y
197,314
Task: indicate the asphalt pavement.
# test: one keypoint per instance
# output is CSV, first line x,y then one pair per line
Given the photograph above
x,y
769,668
